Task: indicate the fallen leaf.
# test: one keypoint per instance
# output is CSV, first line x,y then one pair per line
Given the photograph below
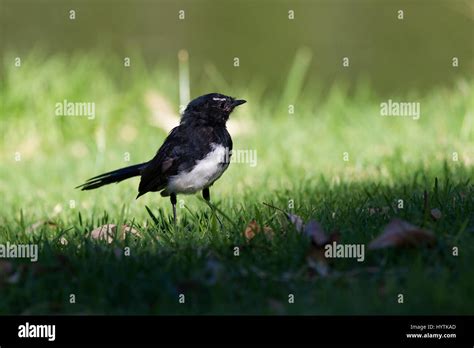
x,y
399,233
104,232
315,258
436,214
129,229
108,231
253,228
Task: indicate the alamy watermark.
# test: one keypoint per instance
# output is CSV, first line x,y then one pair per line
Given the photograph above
x,y
404,109
21,251
245,156
345,251
28,330
68,108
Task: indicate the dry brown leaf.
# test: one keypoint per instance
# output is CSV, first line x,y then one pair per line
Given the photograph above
x,y
108,231
253,228
399,233
316,258
129,229
436,214
104,232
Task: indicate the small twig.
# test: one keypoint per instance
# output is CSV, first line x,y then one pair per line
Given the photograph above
x,y
272,206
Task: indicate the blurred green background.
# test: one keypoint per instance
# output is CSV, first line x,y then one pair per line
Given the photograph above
x,y
394,55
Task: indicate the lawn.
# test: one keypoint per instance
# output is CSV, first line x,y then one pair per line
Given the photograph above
x,y
335,160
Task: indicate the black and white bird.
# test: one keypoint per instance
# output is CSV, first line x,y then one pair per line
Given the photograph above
x,y
193,156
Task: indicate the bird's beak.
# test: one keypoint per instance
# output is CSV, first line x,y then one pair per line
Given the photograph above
x,y
238,102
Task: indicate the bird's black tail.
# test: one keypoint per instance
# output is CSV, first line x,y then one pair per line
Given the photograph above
x,y
113,176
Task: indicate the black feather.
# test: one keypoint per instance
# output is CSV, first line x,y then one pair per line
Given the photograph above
x,y
113,176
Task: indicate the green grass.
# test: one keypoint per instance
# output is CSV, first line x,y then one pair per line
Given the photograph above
x,y
300,158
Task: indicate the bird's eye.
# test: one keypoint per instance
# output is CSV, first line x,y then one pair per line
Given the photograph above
x,y
220,103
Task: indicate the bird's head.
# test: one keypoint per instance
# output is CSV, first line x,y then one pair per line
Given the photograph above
x,y
213,108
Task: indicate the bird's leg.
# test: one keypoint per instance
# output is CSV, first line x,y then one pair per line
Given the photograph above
x,y
207,196
173,202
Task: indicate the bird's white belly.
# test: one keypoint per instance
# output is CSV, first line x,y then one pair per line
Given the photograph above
x,y
204,173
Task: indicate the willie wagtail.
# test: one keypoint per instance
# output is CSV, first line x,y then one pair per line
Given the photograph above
x,y
192,157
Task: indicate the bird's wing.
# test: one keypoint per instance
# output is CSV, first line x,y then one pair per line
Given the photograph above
x,y
154,175
179,152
